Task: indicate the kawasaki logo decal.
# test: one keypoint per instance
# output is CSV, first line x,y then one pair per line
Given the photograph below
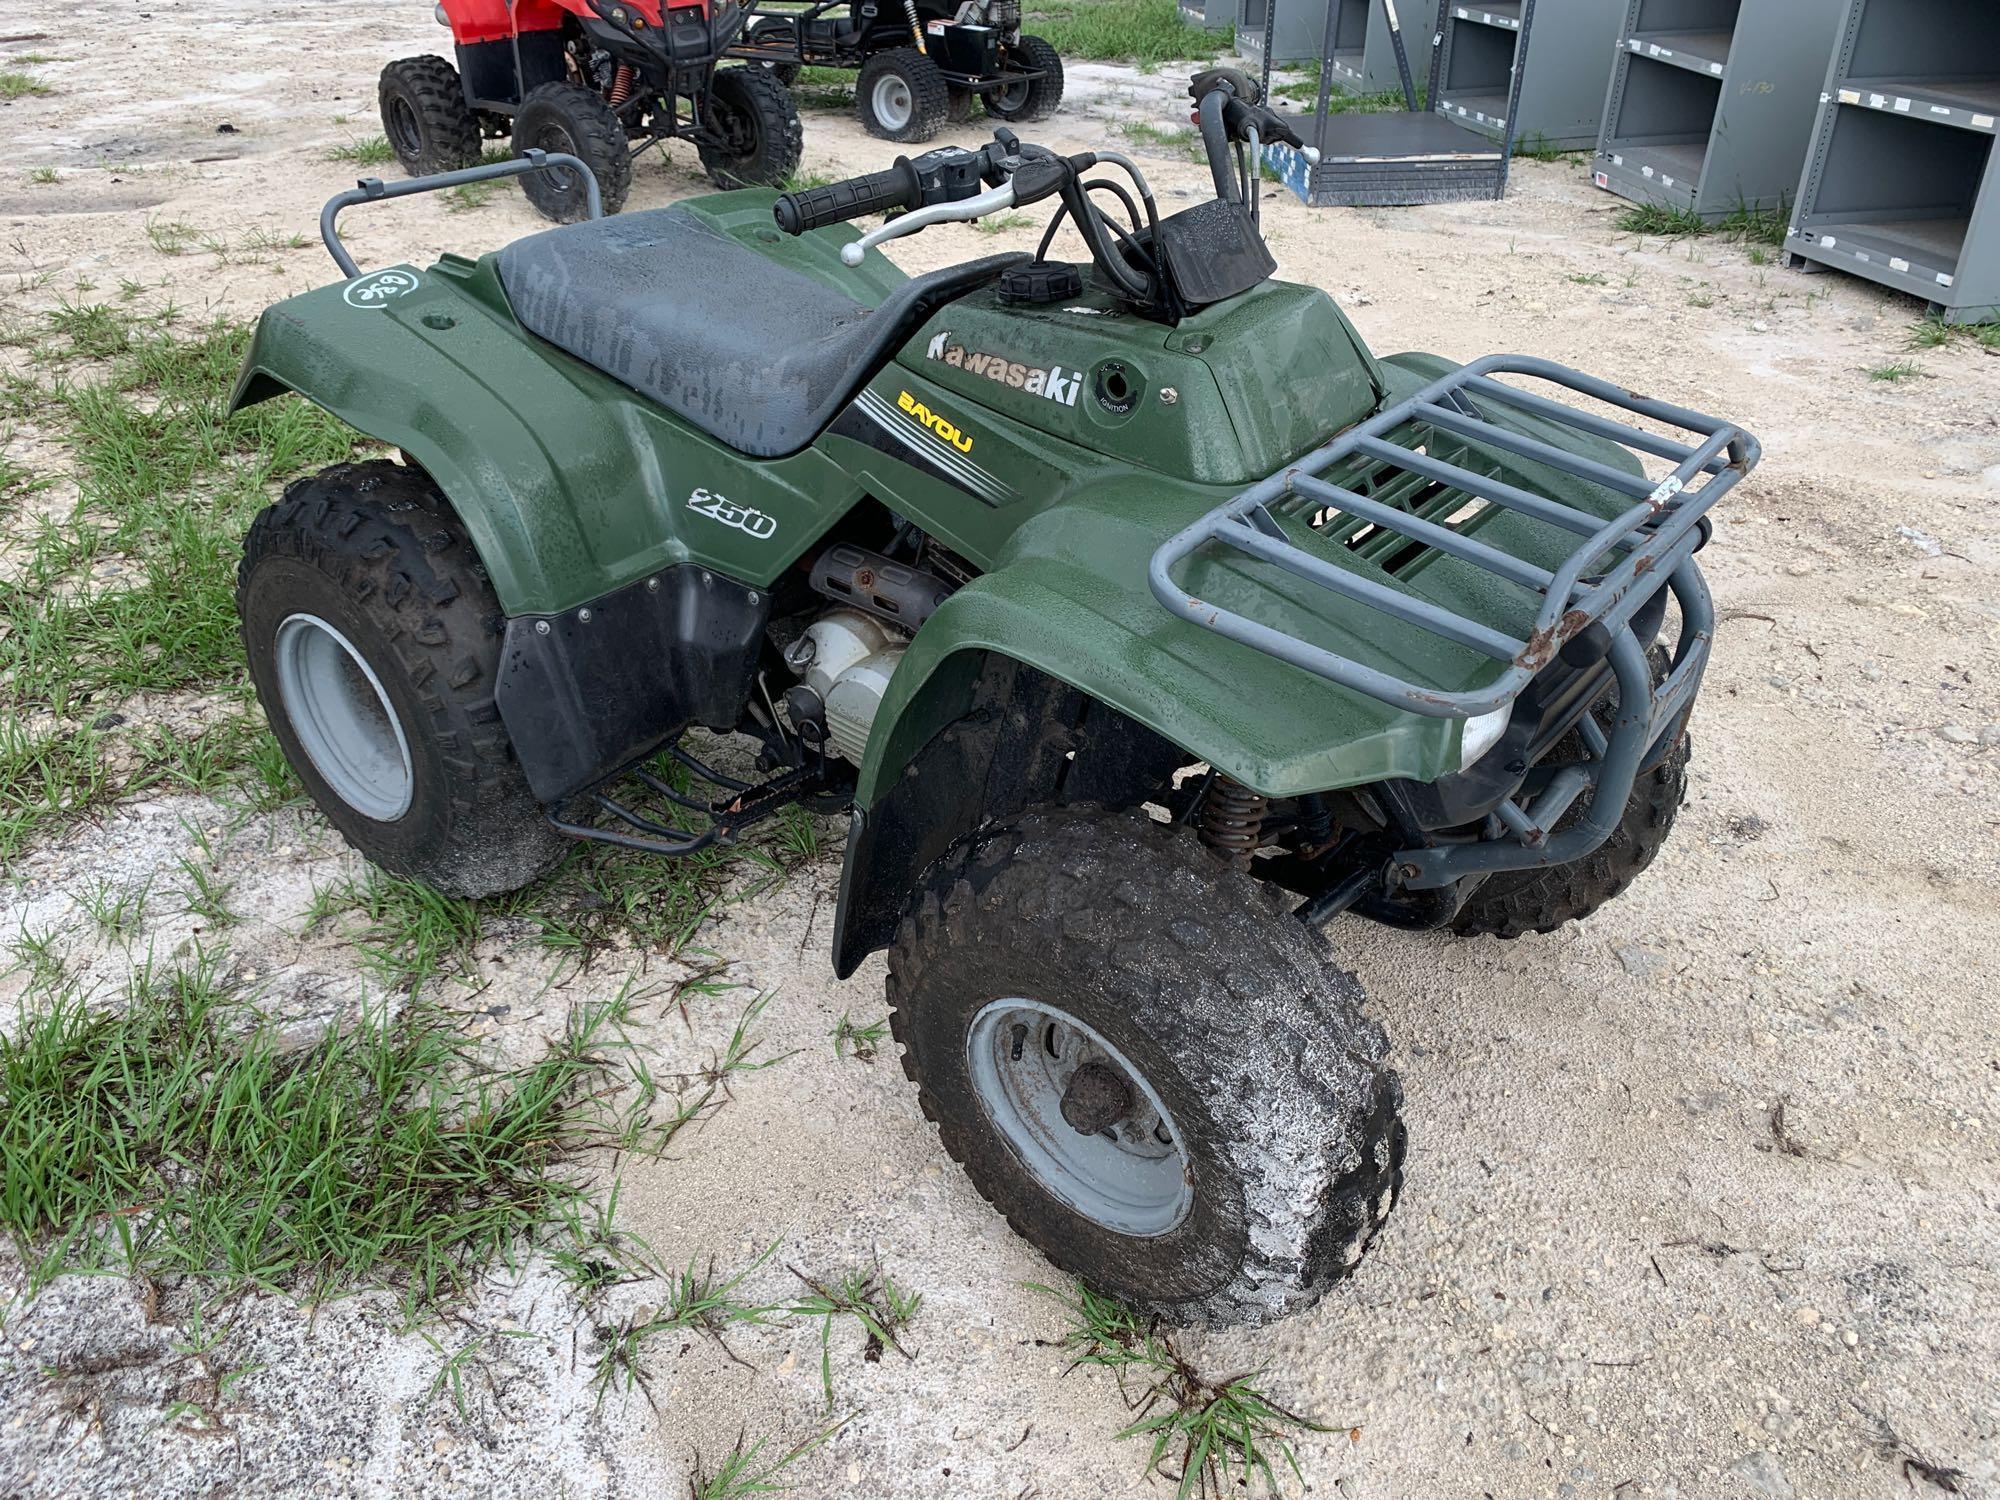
x,y
923,416
1054,384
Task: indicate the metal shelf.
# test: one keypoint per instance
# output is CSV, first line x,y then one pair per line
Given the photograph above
x,y
1969,104
1562,61
1286,30
1697,51
1710,104
1363,58
1505,14
1901,186
1397,157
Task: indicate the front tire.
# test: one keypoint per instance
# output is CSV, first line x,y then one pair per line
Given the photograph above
x,y
563,117
425,117
901,95
1036,99
373,638
1512,903
1079,973
755,137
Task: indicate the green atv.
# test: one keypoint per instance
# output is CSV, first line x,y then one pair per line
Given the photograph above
x,y
1142,619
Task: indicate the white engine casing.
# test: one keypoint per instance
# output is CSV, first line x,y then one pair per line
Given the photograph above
x,y
847,658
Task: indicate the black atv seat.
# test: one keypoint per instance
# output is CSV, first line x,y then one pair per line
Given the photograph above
x,y
750,351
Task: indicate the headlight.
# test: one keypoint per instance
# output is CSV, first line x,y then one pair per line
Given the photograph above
x,y
1482,734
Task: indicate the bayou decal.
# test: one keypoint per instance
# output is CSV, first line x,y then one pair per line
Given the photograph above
x,y
924,417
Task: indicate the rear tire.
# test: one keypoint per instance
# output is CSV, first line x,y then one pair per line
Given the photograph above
x,y
374,638
563,117
758,136
901,95
425,116
1513,903
1075,941
1035,100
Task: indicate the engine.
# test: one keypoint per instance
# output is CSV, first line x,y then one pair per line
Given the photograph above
x,y
845,657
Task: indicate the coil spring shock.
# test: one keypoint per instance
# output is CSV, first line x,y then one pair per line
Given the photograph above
x,y
621,85
1232,820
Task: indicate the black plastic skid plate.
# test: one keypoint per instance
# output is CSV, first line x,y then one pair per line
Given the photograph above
x,y
587,692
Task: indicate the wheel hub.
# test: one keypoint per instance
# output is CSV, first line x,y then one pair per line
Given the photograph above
x,y
1079,1115
1097,1098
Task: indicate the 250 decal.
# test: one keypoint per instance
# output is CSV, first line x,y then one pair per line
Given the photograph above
x,y
744,518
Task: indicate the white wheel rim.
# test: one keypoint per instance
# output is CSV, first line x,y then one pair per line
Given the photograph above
x,y
342,717
1131,1178
892,102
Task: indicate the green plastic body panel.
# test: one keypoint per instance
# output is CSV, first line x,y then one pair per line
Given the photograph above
x,y
1057,447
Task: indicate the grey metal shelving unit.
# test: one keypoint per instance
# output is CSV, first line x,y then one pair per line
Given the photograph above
x,y
1711,102
1563,65
1395,157
1209,15
1362,58
1902,185
1268,31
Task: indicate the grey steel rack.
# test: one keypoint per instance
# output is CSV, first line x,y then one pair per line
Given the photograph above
x,y
1589,598
1711,102
1902,185
1396,157
1268,32
1361,54
1563,63
1209,15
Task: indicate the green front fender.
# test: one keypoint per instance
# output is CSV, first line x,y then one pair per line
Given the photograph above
x,y
1270,726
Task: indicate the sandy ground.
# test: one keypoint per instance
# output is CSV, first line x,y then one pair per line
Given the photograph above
x,y
1604,1279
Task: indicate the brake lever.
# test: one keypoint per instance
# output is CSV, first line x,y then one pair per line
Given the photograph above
x,y
992,201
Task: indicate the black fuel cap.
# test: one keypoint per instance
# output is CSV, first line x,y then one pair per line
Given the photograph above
x,y
1040,281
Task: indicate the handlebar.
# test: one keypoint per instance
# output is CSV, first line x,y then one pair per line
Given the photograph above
x,y
853,198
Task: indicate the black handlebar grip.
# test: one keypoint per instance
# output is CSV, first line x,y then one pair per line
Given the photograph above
x,y
851,198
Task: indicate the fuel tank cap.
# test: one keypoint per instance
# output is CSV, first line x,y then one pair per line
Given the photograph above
x,y
1040,281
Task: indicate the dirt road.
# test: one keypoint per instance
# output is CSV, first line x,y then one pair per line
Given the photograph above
x,y
1618,1270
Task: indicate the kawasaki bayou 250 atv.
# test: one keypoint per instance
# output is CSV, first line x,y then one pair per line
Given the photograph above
x,y
922,62
1141,615
600,80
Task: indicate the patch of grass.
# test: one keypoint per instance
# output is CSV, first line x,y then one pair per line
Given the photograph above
x,y
1537,147
698,1302
115,910
177,1133
43,176
468,196
852,1038
371,151
1210,1437
805,181
22,86
1177,141
1001,223
872,1299
412,933
134,590
746,1471
1592,278
207,894
172,236
1660,221
1901,370
1140,31
1746,225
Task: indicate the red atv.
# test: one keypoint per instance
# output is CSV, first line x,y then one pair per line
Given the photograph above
x,y
599,79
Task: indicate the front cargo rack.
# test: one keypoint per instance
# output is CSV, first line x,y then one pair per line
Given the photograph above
x,y
1588,599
